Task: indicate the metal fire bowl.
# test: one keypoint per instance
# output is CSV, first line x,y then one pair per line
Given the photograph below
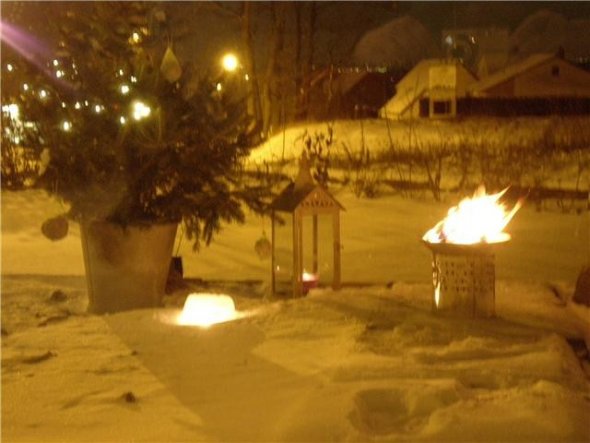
x,y
461,249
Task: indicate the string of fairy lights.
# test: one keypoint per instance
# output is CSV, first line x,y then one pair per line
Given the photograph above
x,y
137,110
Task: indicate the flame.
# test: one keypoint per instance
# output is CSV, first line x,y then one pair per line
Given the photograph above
x,y
207,309
437,294
474,220
308,276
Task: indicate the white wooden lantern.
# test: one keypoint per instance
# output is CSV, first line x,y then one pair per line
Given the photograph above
x,y
302,213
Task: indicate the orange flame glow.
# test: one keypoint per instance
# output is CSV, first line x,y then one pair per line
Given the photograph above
x,y
479,219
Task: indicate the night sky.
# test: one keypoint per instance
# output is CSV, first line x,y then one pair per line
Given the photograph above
x,y
340,24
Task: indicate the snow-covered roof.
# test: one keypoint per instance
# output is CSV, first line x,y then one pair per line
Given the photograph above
x,y
511,71
417,83
292,196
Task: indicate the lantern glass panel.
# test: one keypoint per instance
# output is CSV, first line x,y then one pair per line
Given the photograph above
x,y
323,263
283,254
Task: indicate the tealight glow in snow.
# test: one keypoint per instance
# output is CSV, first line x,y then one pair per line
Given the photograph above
x,y
207,309
309,280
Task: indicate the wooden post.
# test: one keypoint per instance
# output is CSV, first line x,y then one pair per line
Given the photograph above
x,y
272,255
297,289
336,236
315,243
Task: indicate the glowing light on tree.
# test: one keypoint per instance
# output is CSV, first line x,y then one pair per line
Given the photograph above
x,y
141,110
125,89
12,110
66,126
135,37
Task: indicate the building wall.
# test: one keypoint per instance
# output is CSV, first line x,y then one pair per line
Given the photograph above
x,y
505,89
433,80
555,78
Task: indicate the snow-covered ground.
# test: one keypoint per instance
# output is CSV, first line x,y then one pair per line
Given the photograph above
x,y
367,363
378,135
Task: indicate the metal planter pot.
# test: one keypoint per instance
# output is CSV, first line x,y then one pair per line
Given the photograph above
x,y
126,268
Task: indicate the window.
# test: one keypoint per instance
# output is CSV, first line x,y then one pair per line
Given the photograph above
x,y
424,107
555,71
441,107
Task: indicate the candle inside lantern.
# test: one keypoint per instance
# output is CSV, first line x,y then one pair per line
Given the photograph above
x,y
309,280
207,309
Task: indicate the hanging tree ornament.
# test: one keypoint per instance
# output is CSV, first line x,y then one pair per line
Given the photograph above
x,y
263,247
170,67
55,228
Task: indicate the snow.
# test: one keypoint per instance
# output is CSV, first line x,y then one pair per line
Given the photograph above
x,y
379,136
370,362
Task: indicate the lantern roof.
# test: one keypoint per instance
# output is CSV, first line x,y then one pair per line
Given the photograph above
x,y
310,195
304,192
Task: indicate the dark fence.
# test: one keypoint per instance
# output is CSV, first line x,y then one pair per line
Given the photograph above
x,y
503,107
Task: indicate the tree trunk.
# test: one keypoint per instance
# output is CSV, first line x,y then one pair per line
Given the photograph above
x,y
272,93
254,105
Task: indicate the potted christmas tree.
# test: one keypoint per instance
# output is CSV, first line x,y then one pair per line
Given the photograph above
x,y
132,140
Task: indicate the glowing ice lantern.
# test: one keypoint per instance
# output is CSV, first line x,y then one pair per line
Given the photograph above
x,y
207,309
66,126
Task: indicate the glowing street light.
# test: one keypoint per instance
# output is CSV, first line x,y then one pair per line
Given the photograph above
x,y
230,62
